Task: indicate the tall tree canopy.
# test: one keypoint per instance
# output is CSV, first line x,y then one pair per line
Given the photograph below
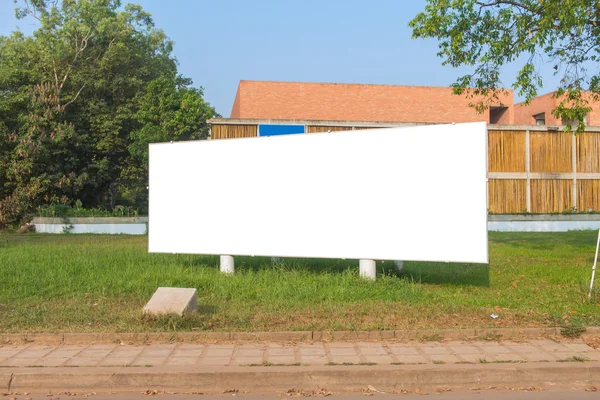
x,y
563,35
81,99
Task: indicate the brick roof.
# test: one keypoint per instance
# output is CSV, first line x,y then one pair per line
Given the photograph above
x,y
355,102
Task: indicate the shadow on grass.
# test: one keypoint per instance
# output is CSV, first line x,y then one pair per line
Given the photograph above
x,y
191,260
10,240
311,265
198,320
424,272
256,264
545,240
448,273
206,309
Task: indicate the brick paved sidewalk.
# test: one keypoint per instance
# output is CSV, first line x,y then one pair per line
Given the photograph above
x,y
320,353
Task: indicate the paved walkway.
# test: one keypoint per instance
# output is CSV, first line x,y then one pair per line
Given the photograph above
x,y
320,353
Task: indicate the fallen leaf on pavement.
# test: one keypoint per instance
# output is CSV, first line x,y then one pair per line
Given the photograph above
x,y
372,389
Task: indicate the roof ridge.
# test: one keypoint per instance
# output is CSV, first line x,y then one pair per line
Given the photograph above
x,y
348,84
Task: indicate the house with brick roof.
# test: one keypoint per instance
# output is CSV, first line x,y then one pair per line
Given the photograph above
x,y
539,111
533,165
265,108
360,102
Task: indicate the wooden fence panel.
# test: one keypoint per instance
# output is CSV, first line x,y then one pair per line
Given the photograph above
x,y
551,151
316,128
588,151
506,151
507,196
588,195
233,131
551,195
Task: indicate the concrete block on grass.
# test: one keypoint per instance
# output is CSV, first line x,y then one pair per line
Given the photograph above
x,y
168,300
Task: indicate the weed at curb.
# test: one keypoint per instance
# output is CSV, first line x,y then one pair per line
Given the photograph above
x,y
574,359
484,361
431,338
268,364
490,337
572,331
401,363
349,363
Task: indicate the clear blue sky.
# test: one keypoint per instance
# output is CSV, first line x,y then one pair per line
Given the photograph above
x,y
220,42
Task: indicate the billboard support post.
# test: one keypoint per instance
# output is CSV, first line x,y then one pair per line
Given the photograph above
x,y
367,269
227,264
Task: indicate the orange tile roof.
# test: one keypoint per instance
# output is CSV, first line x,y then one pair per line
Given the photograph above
x,y
356,102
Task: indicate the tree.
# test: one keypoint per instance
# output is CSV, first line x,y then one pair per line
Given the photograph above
x,y
488,34
169,110
80,98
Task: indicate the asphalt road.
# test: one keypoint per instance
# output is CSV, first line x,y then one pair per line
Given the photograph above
x,y
552,394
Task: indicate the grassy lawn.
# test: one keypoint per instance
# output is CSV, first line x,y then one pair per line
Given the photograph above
x,y
75,283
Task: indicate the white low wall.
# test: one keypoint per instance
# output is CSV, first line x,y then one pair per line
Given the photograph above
x,y
543,223
543,226
499,223
127,226
129,229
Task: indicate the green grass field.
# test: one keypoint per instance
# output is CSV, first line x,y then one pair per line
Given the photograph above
x,y
75,283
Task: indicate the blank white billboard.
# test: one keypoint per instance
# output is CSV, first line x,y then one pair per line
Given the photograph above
x,y
414,193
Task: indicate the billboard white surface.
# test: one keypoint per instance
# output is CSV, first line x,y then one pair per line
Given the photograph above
x,y
415,193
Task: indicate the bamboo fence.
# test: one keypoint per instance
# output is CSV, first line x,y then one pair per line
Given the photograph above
x,y
530,169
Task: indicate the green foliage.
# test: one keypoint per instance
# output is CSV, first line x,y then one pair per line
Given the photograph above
x,y
59,210
488,34
81,99
169,111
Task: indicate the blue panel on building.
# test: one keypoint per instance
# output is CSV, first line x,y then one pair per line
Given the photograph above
x,y
274,130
